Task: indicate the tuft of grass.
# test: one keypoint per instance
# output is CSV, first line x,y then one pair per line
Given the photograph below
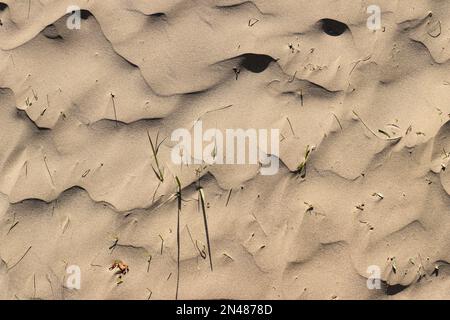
x,y
155,150
301,168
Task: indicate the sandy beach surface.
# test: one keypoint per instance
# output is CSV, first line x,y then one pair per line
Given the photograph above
x,y
90,205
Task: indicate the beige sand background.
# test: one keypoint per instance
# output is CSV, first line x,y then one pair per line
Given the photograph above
x,y
76,179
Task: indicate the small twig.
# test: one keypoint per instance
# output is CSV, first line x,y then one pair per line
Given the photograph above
x,y
201,251
229,196
290,125
114,107
337,119
162,243
205,221
384,132
34,286
252,22
358,62
23,256
86,173
371,131
178,234
256,219
154,193
218,109
365,125
116,241
48,170
12,227
66,225
228,256
237,71
190,236
379,195
293,77
149,261
309,208
150,294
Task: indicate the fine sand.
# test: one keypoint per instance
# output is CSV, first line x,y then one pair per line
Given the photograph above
x,y
367,110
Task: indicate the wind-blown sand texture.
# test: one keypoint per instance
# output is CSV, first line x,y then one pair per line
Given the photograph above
x,y
77,184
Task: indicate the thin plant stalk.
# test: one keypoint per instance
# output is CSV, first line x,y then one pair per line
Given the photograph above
x,y
155,149
205,221
178,234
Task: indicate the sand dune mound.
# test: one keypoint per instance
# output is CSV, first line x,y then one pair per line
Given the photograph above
x,y
87,171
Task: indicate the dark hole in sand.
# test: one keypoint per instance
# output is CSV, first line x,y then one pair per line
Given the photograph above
x,y
158,15
50,32
3,6
256,63
85,14
332,27
392,290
